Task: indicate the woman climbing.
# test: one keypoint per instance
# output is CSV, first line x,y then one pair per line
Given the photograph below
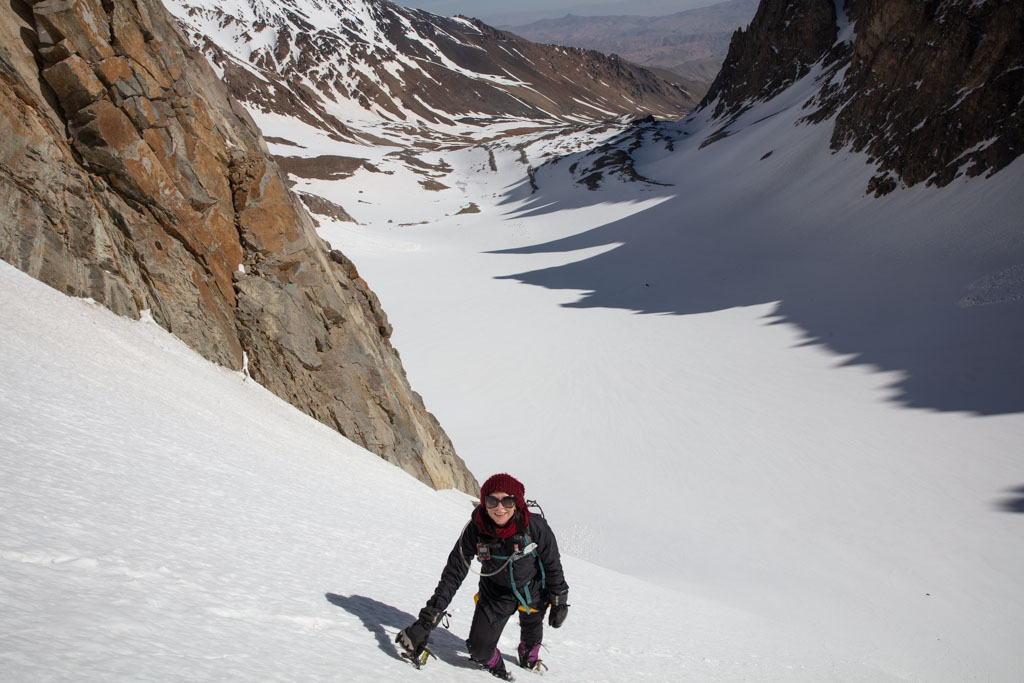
x,y
520,571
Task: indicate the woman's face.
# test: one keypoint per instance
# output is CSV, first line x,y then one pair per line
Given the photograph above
x,y
500,514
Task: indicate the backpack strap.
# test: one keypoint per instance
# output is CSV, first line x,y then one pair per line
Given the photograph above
x,y
540,563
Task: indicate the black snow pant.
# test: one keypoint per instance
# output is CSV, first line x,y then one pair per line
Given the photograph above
x,y
489,621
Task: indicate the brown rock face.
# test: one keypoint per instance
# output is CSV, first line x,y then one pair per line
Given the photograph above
x,y
129,175
931,90
934,89
779,46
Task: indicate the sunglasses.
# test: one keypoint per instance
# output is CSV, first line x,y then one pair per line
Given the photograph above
x,y
508,501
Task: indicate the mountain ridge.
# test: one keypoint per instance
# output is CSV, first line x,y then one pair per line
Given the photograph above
x,y
927,108
408,66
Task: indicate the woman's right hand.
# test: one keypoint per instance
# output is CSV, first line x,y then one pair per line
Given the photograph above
x,y
413,638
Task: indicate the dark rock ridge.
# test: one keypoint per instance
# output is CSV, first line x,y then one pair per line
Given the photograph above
x,y
404,64
930,90
129,175
778,48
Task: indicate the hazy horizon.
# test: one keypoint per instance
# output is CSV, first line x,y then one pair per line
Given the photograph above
x,y
498,12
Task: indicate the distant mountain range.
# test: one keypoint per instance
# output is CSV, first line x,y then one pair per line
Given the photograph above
x,y
320,61
691,44
527,11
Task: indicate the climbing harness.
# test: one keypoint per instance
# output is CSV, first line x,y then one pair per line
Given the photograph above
x,y
529,549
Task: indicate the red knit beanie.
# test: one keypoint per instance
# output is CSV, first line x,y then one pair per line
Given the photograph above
x,y
505,483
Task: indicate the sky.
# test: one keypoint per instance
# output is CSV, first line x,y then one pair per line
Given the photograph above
x,y
504,13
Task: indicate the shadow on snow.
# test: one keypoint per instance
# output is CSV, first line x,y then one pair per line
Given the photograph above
x,y
1015,503
883,282
385,621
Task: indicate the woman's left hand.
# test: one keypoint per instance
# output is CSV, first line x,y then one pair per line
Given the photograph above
x,y
559,610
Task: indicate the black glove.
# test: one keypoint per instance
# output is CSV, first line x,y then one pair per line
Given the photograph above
x,y
559,609
413,639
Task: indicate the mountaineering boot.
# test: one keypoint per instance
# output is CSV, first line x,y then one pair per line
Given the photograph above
x,y
529,658
496,666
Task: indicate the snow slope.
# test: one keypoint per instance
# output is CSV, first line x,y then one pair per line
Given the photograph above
x,y
756,384
165,519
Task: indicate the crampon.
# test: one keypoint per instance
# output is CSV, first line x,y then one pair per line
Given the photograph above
x,y
419,660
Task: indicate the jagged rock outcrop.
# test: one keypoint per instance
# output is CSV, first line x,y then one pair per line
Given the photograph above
x,y
129,175
779,46
934,89
930,90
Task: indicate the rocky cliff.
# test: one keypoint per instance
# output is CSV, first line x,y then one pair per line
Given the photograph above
x,y
129,175
779,46
930,90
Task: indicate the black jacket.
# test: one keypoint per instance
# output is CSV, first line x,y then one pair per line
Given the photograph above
x,y
496,592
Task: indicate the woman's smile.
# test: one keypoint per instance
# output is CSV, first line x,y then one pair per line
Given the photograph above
x,y
500,514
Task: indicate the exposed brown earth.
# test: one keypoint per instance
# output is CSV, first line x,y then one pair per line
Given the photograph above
x,y
318,206
324,167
